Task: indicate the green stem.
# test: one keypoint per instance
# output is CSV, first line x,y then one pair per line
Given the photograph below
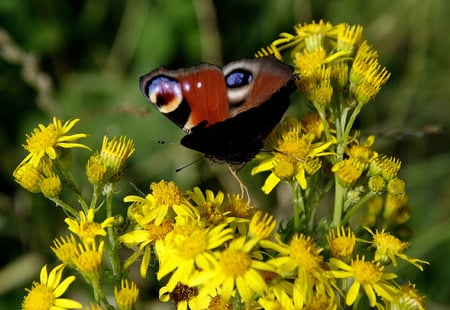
x,y
299,204
339,198
114,246
353,209
65,206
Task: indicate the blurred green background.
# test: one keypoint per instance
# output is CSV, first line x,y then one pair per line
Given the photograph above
x,y
82,59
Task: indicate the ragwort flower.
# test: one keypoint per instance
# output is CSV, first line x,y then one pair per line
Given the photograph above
x,y
187,248
388,247
236,270
86,228
45,295
295,155
366,276
127,295
47,141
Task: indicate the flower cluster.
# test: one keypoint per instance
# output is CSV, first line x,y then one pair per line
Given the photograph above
x,y
212,250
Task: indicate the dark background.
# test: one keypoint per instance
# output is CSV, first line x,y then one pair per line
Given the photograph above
x,y
82,59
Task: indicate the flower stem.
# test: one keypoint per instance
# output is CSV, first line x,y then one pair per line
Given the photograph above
x,y
114,246
352,210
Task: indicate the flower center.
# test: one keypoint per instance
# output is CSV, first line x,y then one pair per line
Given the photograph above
x,y
234,262
40,297
304,254
41,139
366,272
166,193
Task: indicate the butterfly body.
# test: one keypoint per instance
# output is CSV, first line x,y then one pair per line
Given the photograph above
x,y
227,113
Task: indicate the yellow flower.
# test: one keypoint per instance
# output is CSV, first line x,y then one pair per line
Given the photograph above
x,y
388,247
166,199
144,236
187,248
209,206
301,258
295,155
235,271
362,153
366,74
45,295
312,123
50,185
348,37
86,228
341,242
376,184
46,141
348,171
28,176
127,295
88,260
387,167
65,249
96,170
261,226
115,153
367,277
396,187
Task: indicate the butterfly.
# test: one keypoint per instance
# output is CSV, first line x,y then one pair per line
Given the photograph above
x,y
226,112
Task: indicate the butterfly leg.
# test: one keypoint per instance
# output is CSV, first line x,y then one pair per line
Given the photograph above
x,y
244,189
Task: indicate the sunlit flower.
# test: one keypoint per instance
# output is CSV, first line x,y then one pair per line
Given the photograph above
x,y
363,153
238,207
388,247
46,141
50,185
261,226
86,228
127,295
45,295
236,270
301,257
165,198
348,36
348,171
209,206
187,248
28,176
387,167
66,249
312,123
146,234
88,260
96,170
295,155
366,74
342,242
115,153
367,277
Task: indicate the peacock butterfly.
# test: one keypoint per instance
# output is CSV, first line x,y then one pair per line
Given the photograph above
x,y
227,112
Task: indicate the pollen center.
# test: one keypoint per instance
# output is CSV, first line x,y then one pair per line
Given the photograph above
x,y
40,298
366,272
42,139
234,263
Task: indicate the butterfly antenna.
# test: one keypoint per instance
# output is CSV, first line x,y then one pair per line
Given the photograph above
x,y
244,189
187,165
137,190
